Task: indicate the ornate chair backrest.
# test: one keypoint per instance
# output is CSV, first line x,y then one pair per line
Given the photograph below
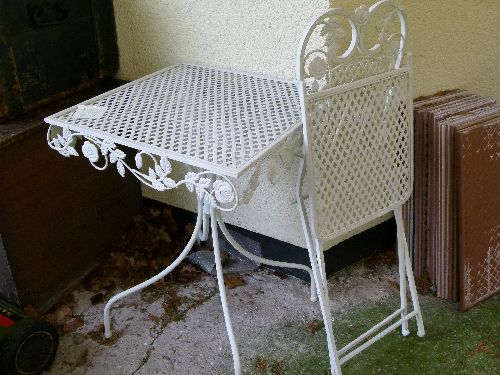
x,y
357,116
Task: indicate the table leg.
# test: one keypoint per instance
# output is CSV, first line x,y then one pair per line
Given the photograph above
x,y
222,290
166,271
205,228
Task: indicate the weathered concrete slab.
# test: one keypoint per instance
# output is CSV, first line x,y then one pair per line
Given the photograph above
x,y
151,337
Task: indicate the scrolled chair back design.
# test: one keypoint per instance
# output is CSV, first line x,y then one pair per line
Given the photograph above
x,y
357,116
341,46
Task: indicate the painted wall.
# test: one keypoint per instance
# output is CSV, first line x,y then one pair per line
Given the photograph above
x,y
455,44
255,36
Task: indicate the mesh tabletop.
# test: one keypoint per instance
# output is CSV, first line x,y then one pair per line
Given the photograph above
x,y
211,118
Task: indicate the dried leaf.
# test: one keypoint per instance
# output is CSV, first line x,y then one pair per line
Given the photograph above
x,y
261,365
154,212
386,257
154,318
233,281
394,285
188,273
73,325
155,240
60,316
481,347
277,368
314,325
280,274
225,257
31,311
424,285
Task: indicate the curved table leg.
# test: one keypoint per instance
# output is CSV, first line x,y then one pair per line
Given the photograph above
x,y
269,262
205,228
166,271
222,290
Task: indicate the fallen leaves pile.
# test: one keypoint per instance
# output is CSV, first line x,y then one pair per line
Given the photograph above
x,y
233,281
156,238
386,256
154,241
314,325
265,366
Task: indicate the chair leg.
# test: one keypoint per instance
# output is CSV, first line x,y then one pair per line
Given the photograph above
x,y
409,272
402,277
319,277
324,300
320,256
222,291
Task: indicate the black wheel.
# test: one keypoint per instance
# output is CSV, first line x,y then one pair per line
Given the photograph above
x,y
29,349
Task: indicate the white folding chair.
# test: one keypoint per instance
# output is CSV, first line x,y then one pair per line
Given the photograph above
x,y
358,145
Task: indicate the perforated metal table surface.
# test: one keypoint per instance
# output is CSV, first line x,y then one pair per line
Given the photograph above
x,y
216,119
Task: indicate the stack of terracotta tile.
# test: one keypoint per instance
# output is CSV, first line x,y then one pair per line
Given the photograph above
x,y
456,202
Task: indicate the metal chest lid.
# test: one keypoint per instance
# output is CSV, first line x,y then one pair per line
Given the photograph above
x,y
216,119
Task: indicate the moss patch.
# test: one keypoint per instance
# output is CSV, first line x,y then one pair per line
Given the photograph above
x,y
455,342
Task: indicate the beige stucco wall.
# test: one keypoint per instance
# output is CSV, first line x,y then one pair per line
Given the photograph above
x,y
455,43
255,36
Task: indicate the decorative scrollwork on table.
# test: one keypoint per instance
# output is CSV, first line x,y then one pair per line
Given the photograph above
x,y
337,49
215,189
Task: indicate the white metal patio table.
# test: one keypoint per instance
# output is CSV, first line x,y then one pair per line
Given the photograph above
x,y
218,121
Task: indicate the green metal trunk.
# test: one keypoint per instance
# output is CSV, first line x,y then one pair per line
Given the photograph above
x,y
51,47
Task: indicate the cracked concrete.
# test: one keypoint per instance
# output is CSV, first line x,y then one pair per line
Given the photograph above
x,y
179,329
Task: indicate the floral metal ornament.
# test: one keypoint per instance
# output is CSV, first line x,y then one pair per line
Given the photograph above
x,y
63,143
215,189
224,192
90,151
335,51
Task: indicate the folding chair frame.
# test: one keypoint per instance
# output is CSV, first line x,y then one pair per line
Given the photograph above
x,y
358,131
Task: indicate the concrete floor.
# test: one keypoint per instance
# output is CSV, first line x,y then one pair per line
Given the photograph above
x,y
179,329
